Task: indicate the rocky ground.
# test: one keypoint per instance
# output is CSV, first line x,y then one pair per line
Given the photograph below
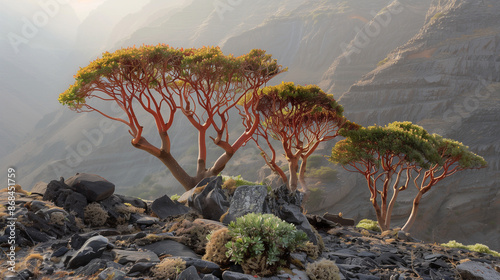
x,y
79,229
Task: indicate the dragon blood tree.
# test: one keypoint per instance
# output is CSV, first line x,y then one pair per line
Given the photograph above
x,y
397,156
300,117
203,85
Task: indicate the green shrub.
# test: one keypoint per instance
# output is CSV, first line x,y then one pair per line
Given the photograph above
x,y
480,248
324,173
262,242
369,225
316,161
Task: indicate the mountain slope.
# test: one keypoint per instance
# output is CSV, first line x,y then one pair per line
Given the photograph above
x,y
446,78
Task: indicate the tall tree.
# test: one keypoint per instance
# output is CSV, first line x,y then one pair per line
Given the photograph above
x,y
403,150
202,84
300,117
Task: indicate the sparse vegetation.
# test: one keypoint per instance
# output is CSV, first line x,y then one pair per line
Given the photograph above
x,y
368,224
436,16
216,250
383,61
95,215
169,268
57,218
480,248
323,270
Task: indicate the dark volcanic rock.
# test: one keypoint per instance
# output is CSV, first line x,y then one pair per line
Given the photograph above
x,y
164,207
93,248
189,273
170,247
208,199
93,187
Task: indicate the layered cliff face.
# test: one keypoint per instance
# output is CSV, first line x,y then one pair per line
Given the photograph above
x,y
382,32
447,79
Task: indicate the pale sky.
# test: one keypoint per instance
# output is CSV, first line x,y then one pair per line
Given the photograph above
x,y
83,7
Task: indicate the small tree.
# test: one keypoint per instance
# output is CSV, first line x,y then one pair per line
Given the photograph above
x,y
300,117
405,150
202,84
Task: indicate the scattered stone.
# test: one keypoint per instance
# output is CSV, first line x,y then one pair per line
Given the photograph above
x,y
136,202
202,266
210,277
59,252
230,275
477,271
246,199
339,220
170,247
93,187
123,256
142,267
36,205
189,273
93,248
164,207
39,188
111,273
92,267
147,221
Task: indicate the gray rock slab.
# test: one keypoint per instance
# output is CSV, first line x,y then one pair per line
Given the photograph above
x,y
124,256
170,247
202,266
477,271
246,199
111,273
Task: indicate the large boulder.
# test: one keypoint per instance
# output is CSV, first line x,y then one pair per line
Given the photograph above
x,y
64,196
93,187
246,199
164,207
208,198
